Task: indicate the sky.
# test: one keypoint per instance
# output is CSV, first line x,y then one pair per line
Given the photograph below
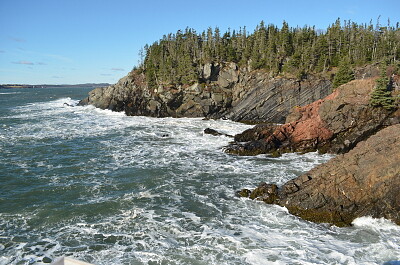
x,y
98,41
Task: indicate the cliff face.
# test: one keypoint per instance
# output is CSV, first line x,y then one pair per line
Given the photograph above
x,y
334,124
258,97
226,92
363,182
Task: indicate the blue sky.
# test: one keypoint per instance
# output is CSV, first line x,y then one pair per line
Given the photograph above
x,y
82,41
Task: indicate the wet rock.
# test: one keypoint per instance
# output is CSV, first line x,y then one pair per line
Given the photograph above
x,y
47,260
256,133
243,193
215,132
265,192
363,182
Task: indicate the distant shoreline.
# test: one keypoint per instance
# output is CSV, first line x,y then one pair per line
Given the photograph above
x,y
89,85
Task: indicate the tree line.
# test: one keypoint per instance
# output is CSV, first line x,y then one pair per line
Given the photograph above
x,y
177,58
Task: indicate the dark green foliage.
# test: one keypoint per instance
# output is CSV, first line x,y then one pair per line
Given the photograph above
x,y
178,58
381,96
344,74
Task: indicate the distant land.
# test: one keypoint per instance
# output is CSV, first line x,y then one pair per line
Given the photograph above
x,y
89,85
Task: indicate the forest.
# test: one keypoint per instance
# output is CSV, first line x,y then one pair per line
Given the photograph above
x,y
297,51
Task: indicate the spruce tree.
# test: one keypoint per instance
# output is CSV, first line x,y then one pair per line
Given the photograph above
x,y
177,58
344,74
381,96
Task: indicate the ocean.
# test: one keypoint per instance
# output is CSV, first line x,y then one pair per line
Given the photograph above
x,y
106,188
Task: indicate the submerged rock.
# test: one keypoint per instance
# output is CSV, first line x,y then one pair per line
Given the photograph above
x,y
363,182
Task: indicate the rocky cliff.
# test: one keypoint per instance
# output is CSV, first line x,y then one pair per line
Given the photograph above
x,y
333,124
363,182
224,91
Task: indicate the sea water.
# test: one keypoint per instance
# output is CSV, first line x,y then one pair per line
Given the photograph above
x,y
106,188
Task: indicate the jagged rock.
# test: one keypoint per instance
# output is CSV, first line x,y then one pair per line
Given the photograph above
x,y
256,133
210,72
363,182
265,192
215,132
243,193
334,124
228,76
226,91
350,117
367,71
207,71
260,98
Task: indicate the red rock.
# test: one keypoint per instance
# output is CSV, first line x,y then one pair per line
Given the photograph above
x,y
336,124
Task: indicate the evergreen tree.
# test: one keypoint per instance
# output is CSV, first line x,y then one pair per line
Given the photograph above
x,y
177,58
344,74
381,95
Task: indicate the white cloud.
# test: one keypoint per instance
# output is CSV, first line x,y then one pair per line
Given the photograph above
x,y
24,62
17,39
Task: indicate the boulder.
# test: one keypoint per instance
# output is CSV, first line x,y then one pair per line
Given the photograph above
x,y
210,72
228,76
267,193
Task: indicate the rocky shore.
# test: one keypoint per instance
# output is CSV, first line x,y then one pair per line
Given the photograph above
x,y
225,91
293,116
363,182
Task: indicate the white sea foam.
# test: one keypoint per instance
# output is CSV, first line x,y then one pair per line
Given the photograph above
x,y
379,224
9,93
143,190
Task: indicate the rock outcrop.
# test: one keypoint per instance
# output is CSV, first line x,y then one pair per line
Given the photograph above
x,y
363,182
334,124
215,132
259,98
223,90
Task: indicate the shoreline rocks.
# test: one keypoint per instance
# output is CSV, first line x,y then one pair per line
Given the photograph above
x,y
224,91
215,132
363,182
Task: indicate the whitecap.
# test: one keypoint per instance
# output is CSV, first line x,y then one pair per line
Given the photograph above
x,y
378,224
